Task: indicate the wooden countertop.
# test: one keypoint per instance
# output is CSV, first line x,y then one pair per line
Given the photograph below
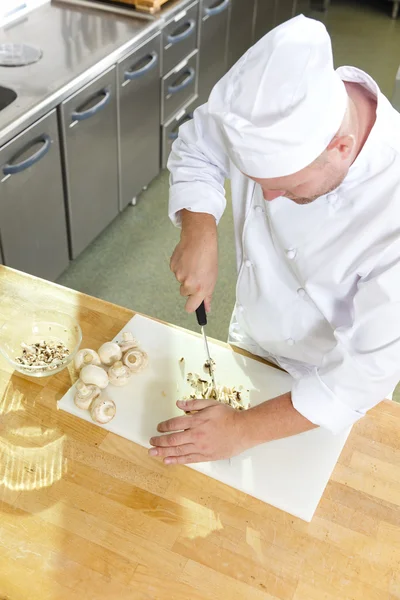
x,y
85,514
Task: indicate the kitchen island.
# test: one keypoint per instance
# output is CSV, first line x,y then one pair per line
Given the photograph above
x,y
87,514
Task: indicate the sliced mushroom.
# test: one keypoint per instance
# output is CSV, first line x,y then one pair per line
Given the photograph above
x,y
136,360
85,394
109,353
91,374
128,342
209,366
86,357
102,410
119,374
233,396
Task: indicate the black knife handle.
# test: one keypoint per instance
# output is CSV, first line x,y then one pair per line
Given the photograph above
x,y
201,315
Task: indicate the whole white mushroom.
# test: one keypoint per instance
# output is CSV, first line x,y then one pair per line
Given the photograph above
x,y
86,356
94,375
136,360
102,410
119,374
109,353
128,341
85,394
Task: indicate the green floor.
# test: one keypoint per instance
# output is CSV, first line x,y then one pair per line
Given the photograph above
x,y
129,263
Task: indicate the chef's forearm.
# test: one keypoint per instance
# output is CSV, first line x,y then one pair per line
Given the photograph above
x,y
273,420
197,221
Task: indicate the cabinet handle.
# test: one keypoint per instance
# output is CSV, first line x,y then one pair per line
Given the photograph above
x,y
191,73
90,112
174,38
173,135
219,8
25,164
136,73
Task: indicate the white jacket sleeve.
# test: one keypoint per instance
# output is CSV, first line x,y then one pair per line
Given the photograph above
x,y
199,166
364,366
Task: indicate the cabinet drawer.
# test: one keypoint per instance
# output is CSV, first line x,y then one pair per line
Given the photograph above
x,y
33,225
89,120
179,87
264,18
171,128
240,29
283,11
179,37
213,44
139,119
301,7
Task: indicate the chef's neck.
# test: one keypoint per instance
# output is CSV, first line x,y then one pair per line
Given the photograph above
x,y
362,115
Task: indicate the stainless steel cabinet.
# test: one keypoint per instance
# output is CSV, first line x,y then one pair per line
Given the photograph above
x,y
171,128
89,125
179,37
320,4
33,225
301,7
139,119
179,87
264,17
240,29
283,10
213,44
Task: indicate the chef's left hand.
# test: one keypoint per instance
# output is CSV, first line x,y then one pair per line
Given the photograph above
x,y
212,433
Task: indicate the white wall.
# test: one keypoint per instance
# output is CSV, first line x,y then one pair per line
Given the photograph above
x,y
14,9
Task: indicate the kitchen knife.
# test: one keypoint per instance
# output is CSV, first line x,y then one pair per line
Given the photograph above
x,y
202,321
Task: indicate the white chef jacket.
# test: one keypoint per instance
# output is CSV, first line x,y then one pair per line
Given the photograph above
x,y
318,286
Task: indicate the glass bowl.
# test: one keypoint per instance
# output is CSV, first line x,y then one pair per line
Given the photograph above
x,y
30,328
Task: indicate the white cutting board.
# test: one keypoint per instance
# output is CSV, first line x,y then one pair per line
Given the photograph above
x,y
290,474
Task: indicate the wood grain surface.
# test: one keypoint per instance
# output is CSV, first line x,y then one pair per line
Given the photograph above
x,y
85,514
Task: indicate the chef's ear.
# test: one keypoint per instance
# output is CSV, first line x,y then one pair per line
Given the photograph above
x,y
344,144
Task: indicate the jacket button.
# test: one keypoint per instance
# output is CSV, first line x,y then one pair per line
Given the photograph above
x,y
301,292
290,342
240,307
248,263
291,253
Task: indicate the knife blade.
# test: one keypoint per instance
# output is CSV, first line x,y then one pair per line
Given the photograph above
x,y
202,321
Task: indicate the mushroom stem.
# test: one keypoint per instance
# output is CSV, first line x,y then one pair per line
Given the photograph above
x,y
85,394
102,410
119,374
136,360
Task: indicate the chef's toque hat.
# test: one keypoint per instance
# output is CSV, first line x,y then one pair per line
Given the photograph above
x,y
282,103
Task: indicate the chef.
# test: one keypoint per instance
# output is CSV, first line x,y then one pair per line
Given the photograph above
x,y
313,156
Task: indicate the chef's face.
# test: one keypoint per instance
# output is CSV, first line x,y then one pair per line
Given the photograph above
x,y
321,177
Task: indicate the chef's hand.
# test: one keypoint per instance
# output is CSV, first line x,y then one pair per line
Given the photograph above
x,y
212,433
195,259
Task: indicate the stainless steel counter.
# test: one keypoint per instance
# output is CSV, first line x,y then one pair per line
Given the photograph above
x,y
77,44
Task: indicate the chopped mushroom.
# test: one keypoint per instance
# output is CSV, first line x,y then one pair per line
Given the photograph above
x,y
48,355
209,367
232,396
